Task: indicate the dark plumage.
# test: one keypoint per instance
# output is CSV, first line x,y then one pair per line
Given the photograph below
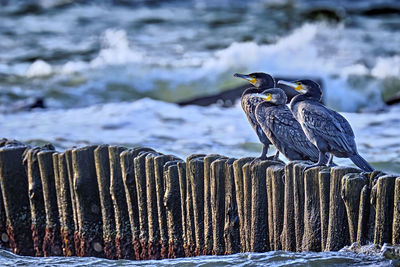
x,y
260,82
281,128
329,131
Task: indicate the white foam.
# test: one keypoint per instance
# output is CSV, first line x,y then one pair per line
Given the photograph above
x,y
385,67
116,50
39,68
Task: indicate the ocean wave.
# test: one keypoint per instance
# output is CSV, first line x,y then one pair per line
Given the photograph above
x,y
312,50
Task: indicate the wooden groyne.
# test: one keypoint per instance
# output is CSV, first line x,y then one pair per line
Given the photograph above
x,y
120,203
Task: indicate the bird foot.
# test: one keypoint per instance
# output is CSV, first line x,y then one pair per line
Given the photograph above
x,y
262,159
314,165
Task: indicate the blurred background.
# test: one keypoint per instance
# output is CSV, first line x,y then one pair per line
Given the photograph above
x,y
109,71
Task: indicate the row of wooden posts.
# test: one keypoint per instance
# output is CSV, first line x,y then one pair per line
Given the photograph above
x,y
114,202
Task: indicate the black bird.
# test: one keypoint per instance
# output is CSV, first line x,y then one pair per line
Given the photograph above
x,y
260,82
281,128
329,131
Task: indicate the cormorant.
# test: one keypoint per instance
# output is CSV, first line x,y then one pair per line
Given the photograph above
x,y
260,82
281,128
326,129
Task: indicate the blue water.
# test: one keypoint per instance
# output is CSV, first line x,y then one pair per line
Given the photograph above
x,y
278,258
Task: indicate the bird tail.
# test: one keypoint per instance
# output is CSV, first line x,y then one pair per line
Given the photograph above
x,y
361,163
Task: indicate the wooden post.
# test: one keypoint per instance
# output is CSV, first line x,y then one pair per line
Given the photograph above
x,y
195,173
396,213
217,180
247,199
129,180
123,238
352,184
172,202
159,162
140,177
338,229
14,188
154,249
69,229
259,238
190,227
288,237
4,239
208,233
69,172
238,178
88,202
183,196
384,209
38,213
312,219
231,229
324,178
298,188
102,164
52,239
276,173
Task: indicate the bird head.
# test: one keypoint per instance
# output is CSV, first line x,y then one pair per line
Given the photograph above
x,y
275,95
305,87
258,79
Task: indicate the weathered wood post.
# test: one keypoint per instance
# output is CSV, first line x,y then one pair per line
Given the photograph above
x,y
312,219
4,239
217,180
384,209
68,227
208,232
172,202
140,178
102,164
190,226
154,249
298,188
259,238
231,229
88,202
195,173
238,178
352,185
366,218
14,188
52,239
396,213
38,213
159,162
324,178
123,238
70,176
129,180
288,237
247,199
338,228
276,174
181,166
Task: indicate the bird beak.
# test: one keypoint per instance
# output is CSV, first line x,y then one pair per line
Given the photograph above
x,y
266,97
246,77
295,86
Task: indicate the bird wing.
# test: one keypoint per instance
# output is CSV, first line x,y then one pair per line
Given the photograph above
x,y
287,130
328,124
